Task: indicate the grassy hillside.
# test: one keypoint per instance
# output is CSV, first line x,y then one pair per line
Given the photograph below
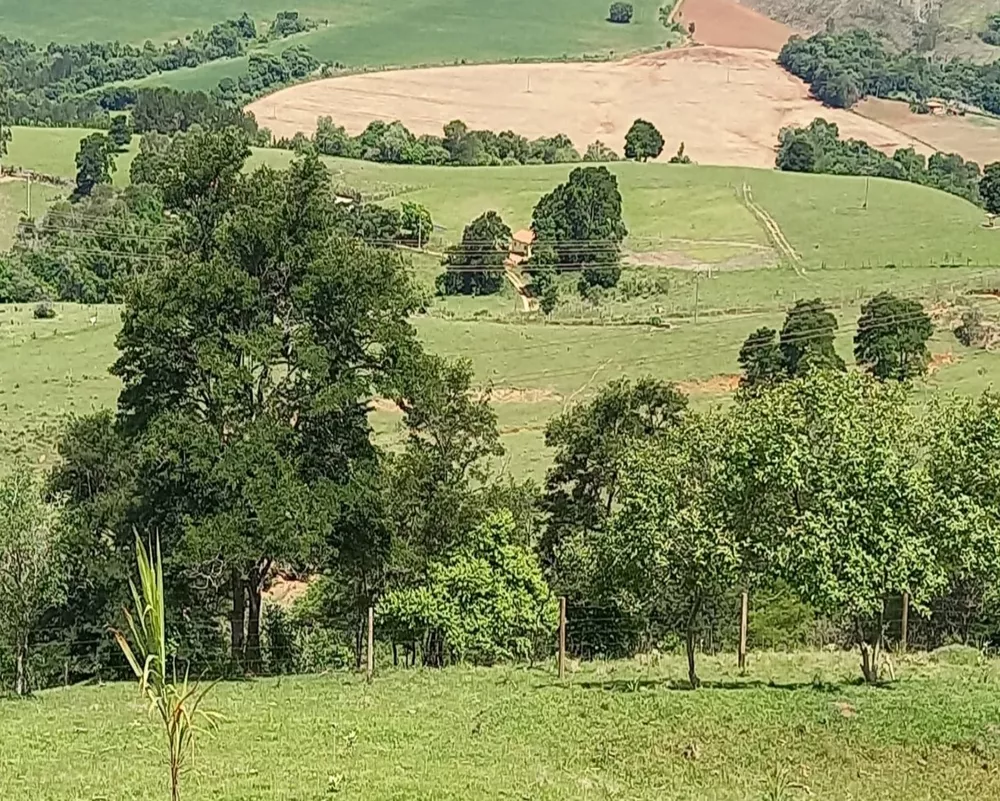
x,y
797,726
373,34
717,279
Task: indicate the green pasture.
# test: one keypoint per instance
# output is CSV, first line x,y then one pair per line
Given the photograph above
x,y
375,33
14,204
51,369
701,275
796,726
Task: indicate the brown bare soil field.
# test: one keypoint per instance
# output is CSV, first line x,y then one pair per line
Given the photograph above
x,y
971,136
727,23
726,105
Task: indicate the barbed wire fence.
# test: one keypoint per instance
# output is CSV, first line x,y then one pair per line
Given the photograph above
x,y
738,624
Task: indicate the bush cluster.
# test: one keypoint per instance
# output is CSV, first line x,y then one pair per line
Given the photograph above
x,y
394,143
818,148
842,68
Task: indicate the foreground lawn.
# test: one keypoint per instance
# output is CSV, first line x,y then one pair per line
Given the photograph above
x,y
797,726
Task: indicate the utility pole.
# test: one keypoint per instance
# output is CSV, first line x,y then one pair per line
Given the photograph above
x,y
741,654
697,277
28,195
562,637
867,183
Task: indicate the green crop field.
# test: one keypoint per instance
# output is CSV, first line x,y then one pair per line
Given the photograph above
x,y
718,279
796,727
370,34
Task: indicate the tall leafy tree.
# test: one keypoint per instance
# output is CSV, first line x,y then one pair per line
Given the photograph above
x,y
475,265
761,360
94,163
671,545
643,141
30,572
5,121
248,363
891,340
989,188
591,442
579,226
963,443
120,132
807,338
834,488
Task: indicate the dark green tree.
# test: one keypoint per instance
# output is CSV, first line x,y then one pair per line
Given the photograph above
x,y
475,265
807,338
590,442
120,132
761,360
620,12
94,163
415,224
892,336
549,299
196,173
989,187
5,121
643,141
796,154
578,226
248,363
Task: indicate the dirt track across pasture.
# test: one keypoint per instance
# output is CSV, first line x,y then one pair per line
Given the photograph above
x,y
726,104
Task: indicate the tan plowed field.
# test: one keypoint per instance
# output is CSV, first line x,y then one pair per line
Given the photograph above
x,y
727,105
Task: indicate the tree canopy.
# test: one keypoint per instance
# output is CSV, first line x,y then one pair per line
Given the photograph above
x,y
892,336
578,226
475,265
643,141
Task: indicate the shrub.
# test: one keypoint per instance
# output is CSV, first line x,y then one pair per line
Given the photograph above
x,y
620,13
44,311
956,655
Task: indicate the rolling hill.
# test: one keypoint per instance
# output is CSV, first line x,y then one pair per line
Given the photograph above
x,y
702,272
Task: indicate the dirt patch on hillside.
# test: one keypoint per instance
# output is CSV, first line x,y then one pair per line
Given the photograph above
x,y
939,360
515,395
971,136
727,105
726,23
716,385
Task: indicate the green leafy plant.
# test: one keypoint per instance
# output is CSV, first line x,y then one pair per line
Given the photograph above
x,y
178,704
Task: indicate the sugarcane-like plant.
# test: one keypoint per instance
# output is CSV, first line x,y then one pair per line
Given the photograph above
x,y
177,704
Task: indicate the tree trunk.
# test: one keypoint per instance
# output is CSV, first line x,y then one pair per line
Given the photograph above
x,y
21,666
395,654
359,640
869,662
253,657
692,633
237,616
870,647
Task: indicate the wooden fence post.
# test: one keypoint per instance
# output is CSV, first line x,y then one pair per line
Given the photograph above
x,y
371,642
741,655
562,637
905,623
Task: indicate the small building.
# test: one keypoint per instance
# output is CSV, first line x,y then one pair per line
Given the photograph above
x,y
521,242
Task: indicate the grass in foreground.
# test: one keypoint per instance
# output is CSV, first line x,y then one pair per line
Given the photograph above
x,y
797,726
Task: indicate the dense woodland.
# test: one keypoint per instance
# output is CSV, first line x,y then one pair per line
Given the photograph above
x,y
819,148
842,68
65,84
